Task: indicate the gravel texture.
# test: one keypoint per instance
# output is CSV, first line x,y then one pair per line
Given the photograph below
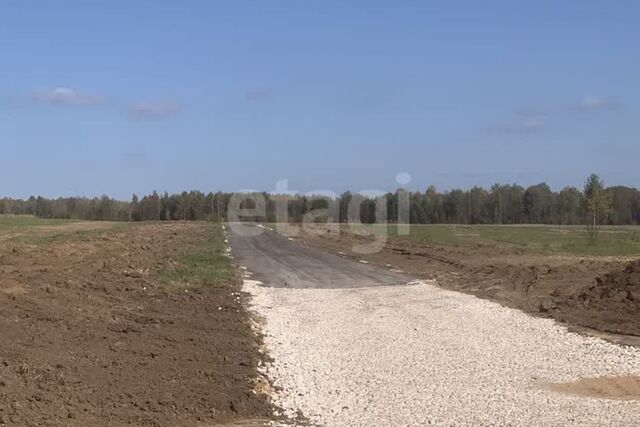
x,y
419,355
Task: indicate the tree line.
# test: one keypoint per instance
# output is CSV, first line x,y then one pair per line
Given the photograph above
x,y
500,204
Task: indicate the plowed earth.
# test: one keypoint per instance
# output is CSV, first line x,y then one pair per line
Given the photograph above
x,y
90,336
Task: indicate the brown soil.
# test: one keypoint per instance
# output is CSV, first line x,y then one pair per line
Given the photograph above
x,y
622,388
89,337
600,296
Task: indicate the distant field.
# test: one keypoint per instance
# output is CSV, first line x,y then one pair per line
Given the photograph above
x,y
17,221
34,230
612,241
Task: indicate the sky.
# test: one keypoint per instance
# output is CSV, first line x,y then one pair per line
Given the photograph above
x,y
119,97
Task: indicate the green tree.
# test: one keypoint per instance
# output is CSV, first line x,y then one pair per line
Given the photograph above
x,y
134,212
478,206
434,211
570,206
624,205
455,207
538,204
597,203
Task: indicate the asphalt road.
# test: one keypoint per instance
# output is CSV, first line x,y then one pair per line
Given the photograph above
x,y
277,261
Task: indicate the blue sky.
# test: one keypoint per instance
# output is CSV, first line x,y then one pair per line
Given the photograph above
x,y
119,97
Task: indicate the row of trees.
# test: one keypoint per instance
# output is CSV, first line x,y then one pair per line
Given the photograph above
x,y
501,204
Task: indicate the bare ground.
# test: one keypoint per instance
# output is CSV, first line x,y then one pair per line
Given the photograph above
x,y
90,337
622,388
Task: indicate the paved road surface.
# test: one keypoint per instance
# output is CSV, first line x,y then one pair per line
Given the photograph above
x,y
417,355
280,262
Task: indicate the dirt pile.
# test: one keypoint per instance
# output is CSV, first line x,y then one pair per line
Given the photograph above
x,y
612,301
622,286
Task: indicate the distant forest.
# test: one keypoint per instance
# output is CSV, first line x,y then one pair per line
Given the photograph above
x,y
501,204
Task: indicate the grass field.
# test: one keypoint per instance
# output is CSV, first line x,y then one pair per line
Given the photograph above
x,y
33,230
611,241
8,222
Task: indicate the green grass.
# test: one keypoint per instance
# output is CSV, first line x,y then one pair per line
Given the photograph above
x,y
612,241
24,229
208,265
10,222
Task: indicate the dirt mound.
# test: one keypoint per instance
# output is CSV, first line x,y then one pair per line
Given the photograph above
x,y
622,285
610,303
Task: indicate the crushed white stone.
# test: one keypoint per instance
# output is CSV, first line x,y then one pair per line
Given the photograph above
x,y
415,355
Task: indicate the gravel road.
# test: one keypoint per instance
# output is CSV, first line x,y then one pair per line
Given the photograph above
x,y
416,354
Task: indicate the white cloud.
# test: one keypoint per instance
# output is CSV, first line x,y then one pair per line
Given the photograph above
x,y
531,123
153,110
593,102
535,118
66,96
524,124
